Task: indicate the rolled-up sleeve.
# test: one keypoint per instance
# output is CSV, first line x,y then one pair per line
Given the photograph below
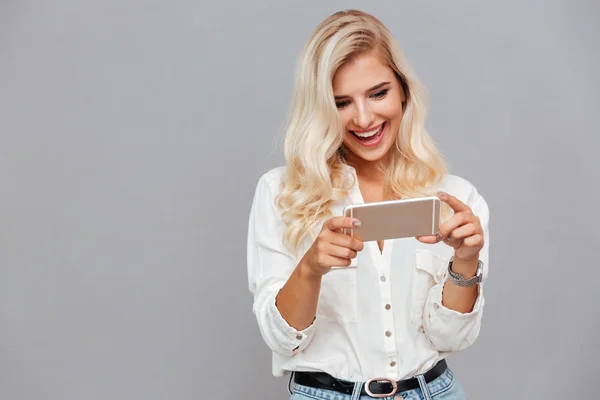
x,y
270,265
449,330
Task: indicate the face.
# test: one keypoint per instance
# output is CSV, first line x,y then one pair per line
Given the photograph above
x,y
369,100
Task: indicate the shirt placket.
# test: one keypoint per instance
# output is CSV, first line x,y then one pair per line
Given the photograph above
x,y
385,302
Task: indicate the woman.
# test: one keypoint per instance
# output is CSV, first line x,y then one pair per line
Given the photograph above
x,y
382,324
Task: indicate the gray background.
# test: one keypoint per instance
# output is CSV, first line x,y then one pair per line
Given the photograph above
x,y
133,134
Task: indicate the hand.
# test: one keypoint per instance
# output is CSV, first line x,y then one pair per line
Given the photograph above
x,y
332,247
462,231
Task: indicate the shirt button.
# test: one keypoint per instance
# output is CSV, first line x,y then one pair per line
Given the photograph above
x,y
387,306
382,278
388,333
393,364
299,337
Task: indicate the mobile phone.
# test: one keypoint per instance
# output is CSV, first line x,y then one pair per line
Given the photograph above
x,y
394,219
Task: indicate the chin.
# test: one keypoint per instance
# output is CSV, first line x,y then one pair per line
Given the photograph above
x,y
373,155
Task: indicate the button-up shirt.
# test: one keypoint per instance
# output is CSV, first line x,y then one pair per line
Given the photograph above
x,y
381,317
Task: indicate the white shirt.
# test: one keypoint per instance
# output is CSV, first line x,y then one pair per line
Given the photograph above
x,y
382,317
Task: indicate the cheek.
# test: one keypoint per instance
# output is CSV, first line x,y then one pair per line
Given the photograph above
x,y
345,117
392,109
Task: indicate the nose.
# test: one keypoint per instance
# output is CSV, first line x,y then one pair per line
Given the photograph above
x,y
363,116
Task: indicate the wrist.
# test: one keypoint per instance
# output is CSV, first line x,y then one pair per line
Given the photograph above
x,y
465,267
307,273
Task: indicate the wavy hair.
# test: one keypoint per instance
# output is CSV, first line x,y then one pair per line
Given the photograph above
x,y
315,174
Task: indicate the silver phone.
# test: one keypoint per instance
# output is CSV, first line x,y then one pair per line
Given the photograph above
x,y
395,219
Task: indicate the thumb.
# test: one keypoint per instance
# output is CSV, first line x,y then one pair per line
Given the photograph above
x,y
429,239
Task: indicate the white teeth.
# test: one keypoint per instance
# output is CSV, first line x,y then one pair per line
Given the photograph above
x,y
370,133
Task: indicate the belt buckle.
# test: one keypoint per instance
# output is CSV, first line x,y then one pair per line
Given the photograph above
x,y
381,396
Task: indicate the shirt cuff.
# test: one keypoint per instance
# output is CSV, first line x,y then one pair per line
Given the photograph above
x,y
290,338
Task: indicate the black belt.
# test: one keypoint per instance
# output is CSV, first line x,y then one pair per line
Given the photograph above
x,y
378,387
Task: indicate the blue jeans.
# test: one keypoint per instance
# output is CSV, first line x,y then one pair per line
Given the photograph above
x,y
445,387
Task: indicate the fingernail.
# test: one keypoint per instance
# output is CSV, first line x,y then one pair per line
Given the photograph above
x,y
442,194
438,237
356,223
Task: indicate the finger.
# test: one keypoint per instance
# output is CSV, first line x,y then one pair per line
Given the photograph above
x,y
341,252
453,202
474,241
464,231
456,221
340,239
429,239
338,262
337,223
454,243
326,260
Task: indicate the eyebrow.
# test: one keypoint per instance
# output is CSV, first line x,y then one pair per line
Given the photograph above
x,y
379,85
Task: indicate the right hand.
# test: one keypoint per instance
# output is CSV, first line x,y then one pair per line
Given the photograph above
x,y
332,247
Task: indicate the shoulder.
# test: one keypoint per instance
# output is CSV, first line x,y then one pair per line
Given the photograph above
x,y
272,177
457,186
461,188
268,188
270,181
466,192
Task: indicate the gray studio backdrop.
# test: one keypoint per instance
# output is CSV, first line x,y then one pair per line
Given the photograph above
x,y
133,134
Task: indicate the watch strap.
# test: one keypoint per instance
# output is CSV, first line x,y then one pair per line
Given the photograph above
x,y
460,280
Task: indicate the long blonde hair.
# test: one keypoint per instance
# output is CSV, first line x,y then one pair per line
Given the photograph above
x,y
315,174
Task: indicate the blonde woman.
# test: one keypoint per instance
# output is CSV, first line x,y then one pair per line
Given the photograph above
x,y
382,325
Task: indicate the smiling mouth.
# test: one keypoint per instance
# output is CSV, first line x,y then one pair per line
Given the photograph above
x,y
369,136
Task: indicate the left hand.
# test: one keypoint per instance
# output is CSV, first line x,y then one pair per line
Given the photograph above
x,y
462,231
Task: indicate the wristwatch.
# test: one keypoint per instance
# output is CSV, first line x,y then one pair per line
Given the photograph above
x,y
460,280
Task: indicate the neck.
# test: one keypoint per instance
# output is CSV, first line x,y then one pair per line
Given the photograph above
x,y
368,171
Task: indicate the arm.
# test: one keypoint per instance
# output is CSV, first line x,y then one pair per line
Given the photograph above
x,y
458,298
297,300
452,314
270,265
285,294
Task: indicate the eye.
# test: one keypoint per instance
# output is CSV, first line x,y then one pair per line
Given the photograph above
x,y
380,95
342,104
